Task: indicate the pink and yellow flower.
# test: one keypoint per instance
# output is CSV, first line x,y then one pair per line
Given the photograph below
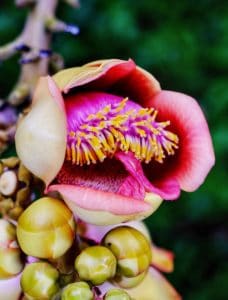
x,y
112,143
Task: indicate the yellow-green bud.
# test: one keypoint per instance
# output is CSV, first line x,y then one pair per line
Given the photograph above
x,y
77,291
46,229
10,253
129,282
131,249
96,264
117,294
39,281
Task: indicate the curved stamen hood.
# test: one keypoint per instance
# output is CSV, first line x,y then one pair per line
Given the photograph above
x,y
100,124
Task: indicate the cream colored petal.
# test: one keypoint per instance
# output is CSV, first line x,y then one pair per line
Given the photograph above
x,y
104,208
162,259
78,76
101,218
41,134
154,287
10,289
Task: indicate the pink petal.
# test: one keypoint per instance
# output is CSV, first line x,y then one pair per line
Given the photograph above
x,y
167,189
105,208
139,85
98,200
97,74
118,76
195,156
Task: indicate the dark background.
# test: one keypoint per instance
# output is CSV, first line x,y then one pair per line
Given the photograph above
x,y
185,45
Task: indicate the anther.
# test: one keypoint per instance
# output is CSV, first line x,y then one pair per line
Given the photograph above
x,y
112,129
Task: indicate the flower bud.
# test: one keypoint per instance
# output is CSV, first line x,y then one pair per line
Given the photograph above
x,y
8,183
131,249
77,291
117,294
46,229
96,264
10,254
39,281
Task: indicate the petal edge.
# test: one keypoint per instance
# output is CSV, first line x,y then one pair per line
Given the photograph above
x,y
104,208
41,135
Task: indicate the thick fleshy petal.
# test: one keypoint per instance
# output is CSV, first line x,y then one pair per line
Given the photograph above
x,y
41,134
10,289
195,156
139,85
168,189
153,287
162,259
101,73
104,208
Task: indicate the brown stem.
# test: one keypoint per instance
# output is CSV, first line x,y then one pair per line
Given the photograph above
x,y
35,44
37,38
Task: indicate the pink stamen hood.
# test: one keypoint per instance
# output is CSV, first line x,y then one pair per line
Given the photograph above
x,y
100,124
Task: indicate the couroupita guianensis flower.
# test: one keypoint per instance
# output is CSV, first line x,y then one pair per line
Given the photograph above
x,y
154,286
112,143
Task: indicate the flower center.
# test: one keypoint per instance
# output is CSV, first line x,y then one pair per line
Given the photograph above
x,y
120,126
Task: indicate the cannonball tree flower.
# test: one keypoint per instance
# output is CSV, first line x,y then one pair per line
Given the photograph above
x,y
112,143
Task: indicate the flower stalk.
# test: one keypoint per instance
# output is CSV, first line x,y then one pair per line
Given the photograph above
x,y
34,44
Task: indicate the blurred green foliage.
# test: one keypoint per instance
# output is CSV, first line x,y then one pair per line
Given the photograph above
x,y
185,45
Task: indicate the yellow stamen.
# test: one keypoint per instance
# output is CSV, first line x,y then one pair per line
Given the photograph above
x,y
143,148
112,129
121,105
73,154
68,153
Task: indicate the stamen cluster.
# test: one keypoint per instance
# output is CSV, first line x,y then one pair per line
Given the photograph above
x,y
114,128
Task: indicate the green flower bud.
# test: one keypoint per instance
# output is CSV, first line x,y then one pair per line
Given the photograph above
x,y
39,281
10,253
129,282
96,264
117,294
46,229
131,249
77,291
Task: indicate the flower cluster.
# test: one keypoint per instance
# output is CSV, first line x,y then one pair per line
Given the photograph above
x,y
110,146
76,260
